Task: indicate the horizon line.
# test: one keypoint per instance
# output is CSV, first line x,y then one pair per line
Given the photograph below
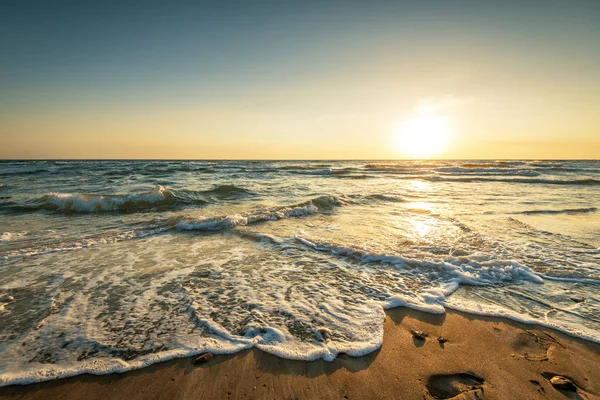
x,y
298,159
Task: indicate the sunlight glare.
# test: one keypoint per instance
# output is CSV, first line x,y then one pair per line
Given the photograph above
x,y
422,136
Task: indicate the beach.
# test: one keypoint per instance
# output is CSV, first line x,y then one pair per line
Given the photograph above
x,y
483,357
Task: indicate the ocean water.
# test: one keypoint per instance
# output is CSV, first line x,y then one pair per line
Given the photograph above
x,y
107,266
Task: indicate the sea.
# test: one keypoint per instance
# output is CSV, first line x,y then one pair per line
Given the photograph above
x,y
109,266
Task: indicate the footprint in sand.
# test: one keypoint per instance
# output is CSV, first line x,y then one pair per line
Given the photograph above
x,y
537,385
451,385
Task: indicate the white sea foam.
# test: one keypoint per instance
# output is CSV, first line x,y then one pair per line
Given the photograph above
x,y
80,244
279,321
7,236
487,302
472,273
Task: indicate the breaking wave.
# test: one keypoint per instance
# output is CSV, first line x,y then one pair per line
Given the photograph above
x,y
229,221
210,224
161,197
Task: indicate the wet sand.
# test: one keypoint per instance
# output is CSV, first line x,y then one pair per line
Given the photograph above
x,y
484,357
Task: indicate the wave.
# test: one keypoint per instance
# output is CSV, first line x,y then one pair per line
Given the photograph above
x,y
353,176
580,181
500,164
487,171
445,175
206,225
478,173
172,169
12,172
410,166
394,169
559,169
385,198
304,167
166,168
344,173
485,273
272,214
227,191
545,164
384,166
563,211
326,171
160,197
227,167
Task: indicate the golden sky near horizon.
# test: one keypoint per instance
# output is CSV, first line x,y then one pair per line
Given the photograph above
x,y
408,82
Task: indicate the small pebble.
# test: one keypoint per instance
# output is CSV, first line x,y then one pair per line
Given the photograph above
x,y
563,383
419,335
203,358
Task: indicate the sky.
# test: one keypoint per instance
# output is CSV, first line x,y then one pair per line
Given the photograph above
x,y
300,79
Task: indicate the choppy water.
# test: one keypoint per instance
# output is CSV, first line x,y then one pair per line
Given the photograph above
x,y
109,266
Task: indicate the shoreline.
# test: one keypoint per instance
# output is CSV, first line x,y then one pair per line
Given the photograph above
x,y
494,357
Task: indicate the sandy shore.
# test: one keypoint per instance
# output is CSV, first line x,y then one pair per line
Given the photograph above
x,y
483,358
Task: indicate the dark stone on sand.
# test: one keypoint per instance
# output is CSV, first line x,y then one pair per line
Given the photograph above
x,y
563,383
203,358
418,335
442,340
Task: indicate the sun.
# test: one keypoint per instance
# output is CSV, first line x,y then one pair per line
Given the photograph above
x,y
422,136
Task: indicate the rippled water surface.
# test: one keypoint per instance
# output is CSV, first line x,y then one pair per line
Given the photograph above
x,y
112,265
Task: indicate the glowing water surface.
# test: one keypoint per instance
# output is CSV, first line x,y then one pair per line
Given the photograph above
x,y
109,266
